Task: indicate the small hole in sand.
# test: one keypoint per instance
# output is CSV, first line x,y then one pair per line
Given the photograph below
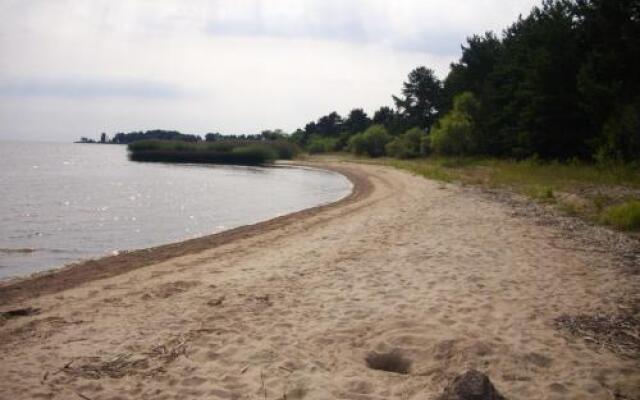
x,y
393,361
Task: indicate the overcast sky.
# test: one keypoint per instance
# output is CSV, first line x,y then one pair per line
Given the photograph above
x,y
71,68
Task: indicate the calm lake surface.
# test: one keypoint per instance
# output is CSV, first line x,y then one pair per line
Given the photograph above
x,y
61,203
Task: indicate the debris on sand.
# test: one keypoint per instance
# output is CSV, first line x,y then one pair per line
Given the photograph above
x,y
19,312
472,385
216,302
393,361
619,333
126,364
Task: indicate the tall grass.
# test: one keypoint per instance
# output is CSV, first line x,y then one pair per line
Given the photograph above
x,y
529,175
625,216
601,193
219,152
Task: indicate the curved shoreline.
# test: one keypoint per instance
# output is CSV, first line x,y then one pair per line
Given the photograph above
x,y
444,275
75,274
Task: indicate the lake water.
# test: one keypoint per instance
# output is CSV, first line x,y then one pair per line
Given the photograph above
x,y
61,203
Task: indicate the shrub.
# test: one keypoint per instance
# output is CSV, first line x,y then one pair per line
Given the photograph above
x,y
621,135
357,144
371,142
285,149
455,133
231,152
319,144
263,151
625,216
407,145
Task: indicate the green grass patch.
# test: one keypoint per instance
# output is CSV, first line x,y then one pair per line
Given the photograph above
x,y
625,216
606,194
219,152
540,192
531,177
419,167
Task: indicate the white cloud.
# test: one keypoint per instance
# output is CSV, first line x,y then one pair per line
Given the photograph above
x,y
239,66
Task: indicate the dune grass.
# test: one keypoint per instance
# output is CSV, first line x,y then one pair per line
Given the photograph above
x,y
605,194
523,174
220,152
625,216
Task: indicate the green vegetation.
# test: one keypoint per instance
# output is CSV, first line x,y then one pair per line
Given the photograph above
x,y
455,134
549,109
319,145
558,84
411,144
624,216
223,152
523,175
600,193
371,142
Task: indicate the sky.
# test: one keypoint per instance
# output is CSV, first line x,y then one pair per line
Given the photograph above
x,y
71,68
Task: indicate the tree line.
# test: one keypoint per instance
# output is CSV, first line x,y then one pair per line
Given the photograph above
x,y
559,83
161,134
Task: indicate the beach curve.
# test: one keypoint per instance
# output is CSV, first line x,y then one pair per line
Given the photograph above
x,y
74,274
439,273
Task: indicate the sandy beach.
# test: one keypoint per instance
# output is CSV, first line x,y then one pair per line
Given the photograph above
x,y
450,277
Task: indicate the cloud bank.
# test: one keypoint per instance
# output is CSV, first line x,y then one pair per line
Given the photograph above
x,y
72,67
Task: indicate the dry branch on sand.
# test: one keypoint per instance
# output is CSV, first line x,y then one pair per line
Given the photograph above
x,y
121,365
619,333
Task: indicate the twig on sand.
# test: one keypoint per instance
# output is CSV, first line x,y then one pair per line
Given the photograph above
x,y
82,395
66,366
216,302
264,388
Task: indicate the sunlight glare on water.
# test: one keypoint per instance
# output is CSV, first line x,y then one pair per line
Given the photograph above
x,y
62,203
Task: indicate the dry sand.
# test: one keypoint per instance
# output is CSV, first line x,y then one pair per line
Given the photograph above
x,y
449,277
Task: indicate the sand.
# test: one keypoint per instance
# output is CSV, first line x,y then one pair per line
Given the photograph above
x,y
447,276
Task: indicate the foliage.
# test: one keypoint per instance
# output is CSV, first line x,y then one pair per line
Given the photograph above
x,y
231,152
606,194
407,145
319,144
621,134
357,121
371,142
157,134
421,98
285,149
559,83
478,60
625,216
384,116
455,133
329,125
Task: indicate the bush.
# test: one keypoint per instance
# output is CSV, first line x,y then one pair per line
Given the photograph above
x,y
357,144
319,144
625,216
455,133
285,149
263,151
621,135
407,145
230,152
371,142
